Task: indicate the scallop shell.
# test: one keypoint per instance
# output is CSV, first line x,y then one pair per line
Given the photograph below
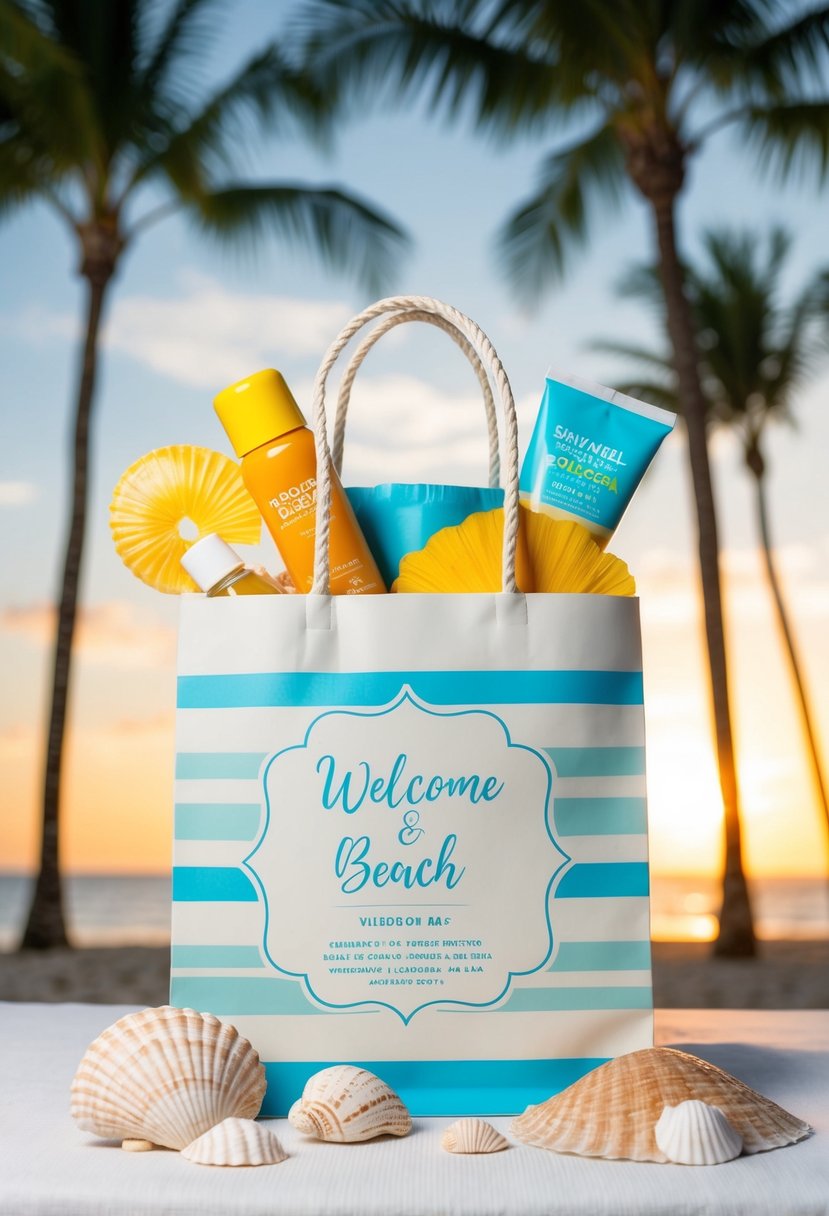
x,y
236,1142
344,1104
552,555
613,1110
694,1133
166,1075
473,1136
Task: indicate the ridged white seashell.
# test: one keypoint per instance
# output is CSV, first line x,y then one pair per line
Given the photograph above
x,y
166,1075
473,1136
236,1142
694,1133
344,1104
612,1111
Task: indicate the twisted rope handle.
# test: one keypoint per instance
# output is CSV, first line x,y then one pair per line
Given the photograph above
x,y
489,358
390,322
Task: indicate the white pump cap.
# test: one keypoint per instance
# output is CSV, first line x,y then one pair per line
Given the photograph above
x,y
210,560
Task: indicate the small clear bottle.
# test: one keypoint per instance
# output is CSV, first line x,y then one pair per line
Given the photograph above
x,y
219,570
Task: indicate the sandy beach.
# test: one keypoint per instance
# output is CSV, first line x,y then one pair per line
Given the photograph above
x,y
786,975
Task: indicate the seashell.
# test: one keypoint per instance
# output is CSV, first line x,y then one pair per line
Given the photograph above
x,y
612,1111
473,1136
137,1146
166,1075
236,1142
552,555
344,1104
694,1133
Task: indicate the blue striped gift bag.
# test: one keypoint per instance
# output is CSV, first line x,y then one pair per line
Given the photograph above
x,y
410,830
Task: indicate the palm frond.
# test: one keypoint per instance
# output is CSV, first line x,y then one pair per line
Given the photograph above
x,y
46,106
661,362
465,59
181,41
21,176
345,231
534,243
788,137
267,89
26,43
643,282
787,54
105,37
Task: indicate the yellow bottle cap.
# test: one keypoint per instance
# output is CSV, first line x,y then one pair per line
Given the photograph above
x,y
259,408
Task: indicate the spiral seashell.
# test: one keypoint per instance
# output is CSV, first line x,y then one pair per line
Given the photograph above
x,y
166,1075
694,1133
473,1136
236,1142
613,1110
344,1105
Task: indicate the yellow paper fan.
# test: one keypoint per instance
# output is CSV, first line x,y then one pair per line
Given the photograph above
x,y
171,487
464,558
553,555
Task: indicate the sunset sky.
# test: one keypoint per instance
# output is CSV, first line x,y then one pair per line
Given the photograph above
x,y
185,319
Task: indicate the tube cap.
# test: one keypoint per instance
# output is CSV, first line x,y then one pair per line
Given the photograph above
x,y
210,560
257,409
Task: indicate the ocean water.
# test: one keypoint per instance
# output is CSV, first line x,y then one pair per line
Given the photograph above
x,y
104,910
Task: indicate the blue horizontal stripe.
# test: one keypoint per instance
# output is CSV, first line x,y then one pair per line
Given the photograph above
x,y
601,816
540,1000
598,761
369,688
212,884
603,956
217,820
216,956
610,879
233,995
443,1087
195,766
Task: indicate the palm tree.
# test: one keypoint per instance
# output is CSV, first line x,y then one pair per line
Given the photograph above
x,y
756,352
644,84
101,106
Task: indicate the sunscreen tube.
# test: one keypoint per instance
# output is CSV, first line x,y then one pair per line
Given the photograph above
x,y
589,451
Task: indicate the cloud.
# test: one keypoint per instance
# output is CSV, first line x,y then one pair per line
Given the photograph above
x,y
204,336
208,334
18,493
115,634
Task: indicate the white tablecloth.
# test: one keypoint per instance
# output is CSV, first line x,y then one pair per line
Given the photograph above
x,y
50,1168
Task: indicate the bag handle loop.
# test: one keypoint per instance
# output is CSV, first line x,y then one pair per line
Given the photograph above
x,y
390,322
477,338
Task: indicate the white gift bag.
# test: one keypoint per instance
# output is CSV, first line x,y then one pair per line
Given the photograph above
x,y
410,830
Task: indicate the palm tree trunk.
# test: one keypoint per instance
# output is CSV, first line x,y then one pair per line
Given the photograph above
x,y
736,932
788,640
46,926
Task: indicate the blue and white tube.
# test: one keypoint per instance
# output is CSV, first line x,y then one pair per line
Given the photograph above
x,y
589,451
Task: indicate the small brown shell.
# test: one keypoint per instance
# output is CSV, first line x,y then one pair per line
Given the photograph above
x,y
344,1105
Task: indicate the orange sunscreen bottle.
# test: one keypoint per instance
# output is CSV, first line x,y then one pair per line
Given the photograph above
x,y
219,570
267,429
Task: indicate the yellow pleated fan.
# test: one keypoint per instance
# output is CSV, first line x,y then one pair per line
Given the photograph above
x,y
554,555
172,488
